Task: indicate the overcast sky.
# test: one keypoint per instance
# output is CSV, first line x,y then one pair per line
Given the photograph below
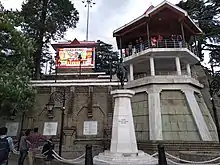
x,y
105,16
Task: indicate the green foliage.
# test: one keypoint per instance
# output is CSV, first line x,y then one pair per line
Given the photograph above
x,y
16,93
206,13
105,56
45,20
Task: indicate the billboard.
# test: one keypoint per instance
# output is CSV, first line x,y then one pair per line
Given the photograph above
x,y
69,58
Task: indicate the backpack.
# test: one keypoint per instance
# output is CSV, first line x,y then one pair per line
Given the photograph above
x,y
4,149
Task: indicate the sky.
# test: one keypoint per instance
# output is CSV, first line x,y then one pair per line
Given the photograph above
x,y
105,17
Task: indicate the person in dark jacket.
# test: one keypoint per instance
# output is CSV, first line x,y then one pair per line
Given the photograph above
x,y
49,146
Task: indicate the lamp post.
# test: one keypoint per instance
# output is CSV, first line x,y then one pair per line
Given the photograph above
x,y
57,57
88,4
80,64
61,98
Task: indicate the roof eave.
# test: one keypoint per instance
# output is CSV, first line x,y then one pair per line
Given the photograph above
x,y
126,25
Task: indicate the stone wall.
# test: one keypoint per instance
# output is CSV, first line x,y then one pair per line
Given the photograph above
x,y
82,104
201,75
141,116
177,119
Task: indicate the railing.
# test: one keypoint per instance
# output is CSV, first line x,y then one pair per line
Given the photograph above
x,y
159,73
158,44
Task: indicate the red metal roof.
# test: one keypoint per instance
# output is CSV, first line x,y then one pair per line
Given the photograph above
x,y
74,44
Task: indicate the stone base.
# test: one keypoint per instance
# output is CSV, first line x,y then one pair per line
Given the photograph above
x,y
140,158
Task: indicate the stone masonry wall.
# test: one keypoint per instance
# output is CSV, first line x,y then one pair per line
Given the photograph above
x,y
177,119
141,116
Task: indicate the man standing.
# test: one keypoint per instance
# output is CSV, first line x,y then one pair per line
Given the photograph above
x,y
24,147
35,139
6,145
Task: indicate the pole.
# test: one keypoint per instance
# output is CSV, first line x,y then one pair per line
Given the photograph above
x,y
161,155
62,122
88,156
121,48
87,28
110,67
20,134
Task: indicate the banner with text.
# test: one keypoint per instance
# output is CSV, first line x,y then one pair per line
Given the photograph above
x,y
76,58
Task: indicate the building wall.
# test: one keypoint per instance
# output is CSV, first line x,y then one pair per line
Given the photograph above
x,y
141,116
177,119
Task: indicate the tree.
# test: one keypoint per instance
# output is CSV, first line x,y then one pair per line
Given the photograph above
x,y
16,93
106,58
206,14
45,20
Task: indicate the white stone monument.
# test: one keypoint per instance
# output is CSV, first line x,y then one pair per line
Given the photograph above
x,y
123,148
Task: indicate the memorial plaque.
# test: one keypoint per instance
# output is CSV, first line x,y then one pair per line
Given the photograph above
x,y
123,121
90,128
12,128
50,128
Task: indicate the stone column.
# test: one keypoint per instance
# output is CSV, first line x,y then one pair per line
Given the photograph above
x,y
197,115
188,70
123,133
178,67
131,73
155,120
152,68
69,135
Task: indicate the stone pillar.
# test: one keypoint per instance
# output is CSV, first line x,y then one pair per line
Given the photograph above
x,y
197,115
152,68
155,120
178,67
123,133
131,73
188,70
69,136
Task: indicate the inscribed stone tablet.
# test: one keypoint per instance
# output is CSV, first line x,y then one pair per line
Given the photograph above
x,y
50,128
90,128
12,128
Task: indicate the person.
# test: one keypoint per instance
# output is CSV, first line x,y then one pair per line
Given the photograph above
x,y
34,139
137,46
6,145
24,147
130,47
49,146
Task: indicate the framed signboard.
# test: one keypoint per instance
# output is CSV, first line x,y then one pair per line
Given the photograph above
x,y
12,128
69,58
90,128
50,128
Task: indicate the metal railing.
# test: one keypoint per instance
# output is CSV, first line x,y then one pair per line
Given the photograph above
x,y
157,44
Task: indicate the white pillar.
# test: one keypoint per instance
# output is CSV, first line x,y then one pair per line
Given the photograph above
x,y
155,119
197,115
188,70
123,132
131,73
152,68
178,68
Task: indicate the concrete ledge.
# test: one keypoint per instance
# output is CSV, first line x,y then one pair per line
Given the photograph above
x,y
164,80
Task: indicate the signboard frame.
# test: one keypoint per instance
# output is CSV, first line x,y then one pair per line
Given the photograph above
x,y
52,131
87,61
90,128
13,128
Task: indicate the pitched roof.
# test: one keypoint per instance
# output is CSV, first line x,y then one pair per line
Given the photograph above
x,y
75,43
153,9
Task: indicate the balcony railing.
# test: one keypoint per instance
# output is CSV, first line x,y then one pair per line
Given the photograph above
x,y
158,44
